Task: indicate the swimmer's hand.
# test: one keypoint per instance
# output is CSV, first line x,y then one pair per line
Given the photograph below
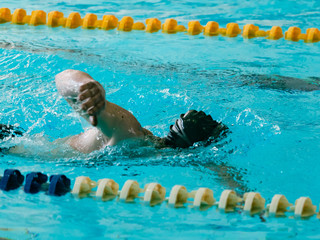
x,y
92,94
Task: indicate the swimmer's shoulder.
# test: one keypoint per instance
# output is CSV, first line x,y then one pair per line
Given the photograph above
x,y
93,139
146,132
88,141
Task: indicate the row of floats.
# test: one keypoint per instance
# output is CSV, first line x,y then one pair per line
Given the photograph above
x,y
153,194
170,26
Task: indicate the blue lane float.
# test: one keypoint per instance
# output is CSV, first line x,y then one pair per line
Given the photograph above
x,y
59,185
34,182
12,179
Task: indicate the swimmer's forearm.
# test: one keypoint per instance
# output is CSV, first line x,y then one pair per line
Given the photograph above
x,y
87,97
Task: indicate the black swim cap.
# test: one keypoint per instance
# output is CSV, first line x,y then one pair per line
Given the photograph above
x,y
193,127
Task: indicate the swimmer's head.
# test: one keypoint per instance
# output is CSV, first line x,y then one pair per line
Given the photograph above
x,y
193,127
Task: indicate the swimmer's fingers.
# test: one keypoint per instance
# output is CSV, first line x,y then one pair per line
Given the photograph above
x,y
87,93
87,85
92,102
96,109
93,120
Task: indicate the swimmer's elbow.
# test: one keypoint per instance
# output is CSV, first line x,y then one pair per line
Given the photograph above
x,y
74,75
66,83
69,81
62,76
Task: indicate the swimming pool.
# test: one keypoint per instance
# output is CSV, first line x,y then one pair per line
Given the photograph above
x,y
272,147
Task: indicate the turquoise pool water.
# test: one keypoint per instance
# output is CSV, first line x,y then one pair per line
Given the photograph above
x,y
274,121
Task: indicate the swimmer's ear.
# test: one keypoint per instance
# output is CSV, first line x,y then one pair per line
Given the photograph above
x,y
93,120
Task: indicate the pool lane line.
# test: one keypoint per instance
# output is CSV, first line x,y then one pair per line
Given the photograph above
x,y
252,203
170,26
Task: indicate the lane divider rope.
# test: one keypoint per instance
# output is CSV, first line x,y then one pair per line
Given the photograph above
x,y
153,194
170,26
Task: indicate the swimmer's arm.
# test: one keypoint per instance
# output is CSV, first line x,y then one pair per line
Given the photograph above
x,y
87,97
230,177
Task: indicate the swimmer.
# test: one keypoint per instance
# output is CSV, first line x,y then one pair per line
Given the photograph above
x,y
113,124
